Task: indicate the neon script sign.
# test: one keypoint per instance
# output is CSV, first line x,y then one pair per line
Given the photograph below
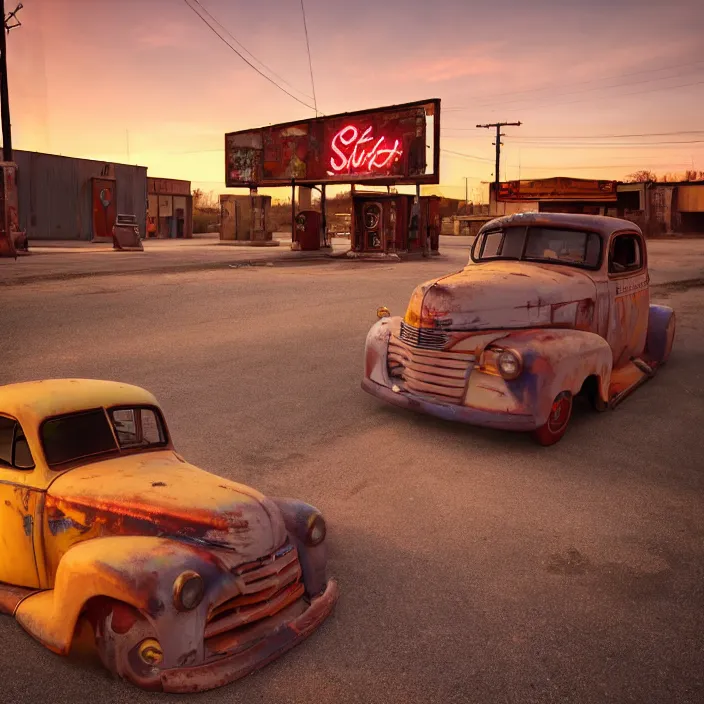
x,y
351,155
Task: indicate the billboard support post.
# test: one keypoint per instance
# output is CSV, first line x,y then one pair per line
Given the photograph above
x,y
323,215
293,213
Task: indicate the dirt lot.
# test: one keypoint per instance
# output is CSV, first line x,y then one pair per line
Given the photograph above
x,y
474,565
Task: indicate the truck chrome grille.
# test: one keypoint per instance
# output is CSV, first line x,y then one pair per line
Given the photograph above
x,y
423,337
442,375
267,589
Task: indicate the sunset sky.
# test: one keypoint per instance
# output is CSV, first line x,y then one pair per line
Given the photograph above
x,y
603,87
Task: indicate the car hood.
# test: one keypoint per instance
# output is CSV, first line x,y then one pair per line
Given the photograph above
x,y
157,493
504,295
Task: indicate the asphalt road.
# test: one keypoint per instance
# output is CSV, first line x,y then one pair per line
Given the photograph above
x,y
474,565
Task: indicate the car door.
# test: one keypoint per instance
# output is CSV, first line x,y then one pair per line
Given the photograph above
x,y
18,506
629,290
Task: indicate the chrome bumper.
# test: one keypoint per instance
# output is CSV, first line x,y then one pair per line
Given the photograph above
x,y
462,414
233,667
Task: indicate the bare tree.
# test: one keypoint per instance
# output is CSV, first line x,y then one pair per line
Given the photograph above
x,y
642,176
694,175
197,198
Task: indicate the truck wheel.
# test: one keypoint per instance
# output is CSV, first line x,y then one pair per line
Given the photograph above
x,y
126,644
556,424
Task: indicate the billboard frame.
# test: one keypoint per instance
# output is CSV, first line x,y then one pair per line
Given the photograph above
x,y
386,180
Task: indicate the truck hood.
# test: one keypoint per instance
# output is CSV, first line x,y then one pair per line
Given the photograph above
x,y
157,493
504,295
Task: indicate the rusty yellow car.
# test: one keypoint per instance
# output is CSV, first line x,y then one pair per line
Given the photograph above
x,y
182,580
548,307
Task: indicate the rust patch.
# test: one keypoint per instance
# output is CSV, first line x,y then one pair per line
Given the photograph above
x,y
10,597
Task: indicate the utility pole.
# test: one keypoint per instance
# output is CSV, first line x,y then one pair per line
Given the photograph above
x,y
499,135
466,189
4,90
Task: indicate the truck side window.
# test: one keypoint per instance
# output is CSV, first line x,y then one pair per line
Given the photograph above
x,y
492,244
14,449
626,254
7,434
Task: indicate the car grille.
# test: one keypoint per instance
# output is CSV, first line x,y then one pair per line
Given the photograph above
x,y
423,337
440,374
266,588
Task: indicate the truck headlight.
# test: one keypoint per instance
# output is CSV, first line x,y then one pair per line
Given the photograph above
x,y
150,652
316,530
510,364
188,591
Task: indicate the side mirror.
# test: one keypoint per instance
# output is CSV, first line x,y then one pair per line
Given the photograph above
x,y
382,312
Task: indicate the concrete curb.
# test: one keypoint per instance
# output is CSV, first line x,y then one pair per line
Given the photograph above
x,y
167,269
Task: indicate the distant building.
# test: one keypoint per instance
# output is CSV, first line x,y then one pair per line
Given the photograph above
x,y
554,195
657,208
65,198
170,208
663,208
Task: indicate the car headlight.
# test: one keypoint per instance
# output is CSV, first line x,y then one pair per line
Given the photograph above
x,y
188,591
316,530
150,652
510,364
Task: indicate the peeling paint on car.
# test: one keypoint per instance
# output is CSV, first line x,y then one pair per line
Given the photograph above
x,y
568,326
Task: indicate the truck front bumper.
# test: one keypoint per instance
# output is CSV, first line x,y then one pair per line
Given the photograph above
x,y
462,414
232,667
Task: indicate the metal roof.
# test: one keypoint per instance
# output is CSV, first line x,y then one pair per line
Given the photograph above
x,y
602,224
36,400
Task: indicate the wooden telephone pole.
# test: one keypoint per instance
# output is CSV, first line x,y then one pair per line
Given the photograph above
x,y
499,135
4,90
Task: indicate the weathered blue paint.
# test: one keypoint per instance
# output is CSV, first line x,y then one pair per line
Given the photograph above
x,y
657,342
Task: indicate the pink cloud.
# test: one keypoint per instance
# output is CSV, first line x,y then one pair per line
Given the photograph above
x,y
465,63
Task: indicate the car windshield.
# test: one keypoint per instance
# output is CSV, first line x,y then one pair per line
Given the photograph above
x,y
77,436
539,244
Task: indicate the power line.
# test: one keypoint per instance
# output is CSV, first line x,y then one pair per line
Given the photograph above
x,y
591,136
570,92
244,58
577,83
607,166
247,51
600,88
466,156
619,136
310,62
591,145
610,97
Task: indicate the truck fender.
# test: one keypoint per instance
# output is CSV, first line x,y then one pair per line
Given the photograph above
x,y
556,360
661,333
139,571
376,348
313,558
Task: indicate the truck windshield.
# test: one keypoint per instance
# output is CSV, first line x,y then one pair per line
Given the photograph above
x,y
539,244
77,436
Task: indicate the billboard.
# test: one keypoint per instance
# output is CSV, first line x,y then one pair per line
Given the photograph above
x,y
390,145
558,188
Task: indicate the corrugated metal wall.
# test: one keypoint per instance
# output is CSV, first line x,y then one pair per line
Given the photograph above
x,y
690,199
55,194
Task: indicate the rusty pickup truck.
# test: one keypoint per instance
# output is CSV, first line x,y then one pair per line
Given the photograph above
x,y
182,580
549,306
